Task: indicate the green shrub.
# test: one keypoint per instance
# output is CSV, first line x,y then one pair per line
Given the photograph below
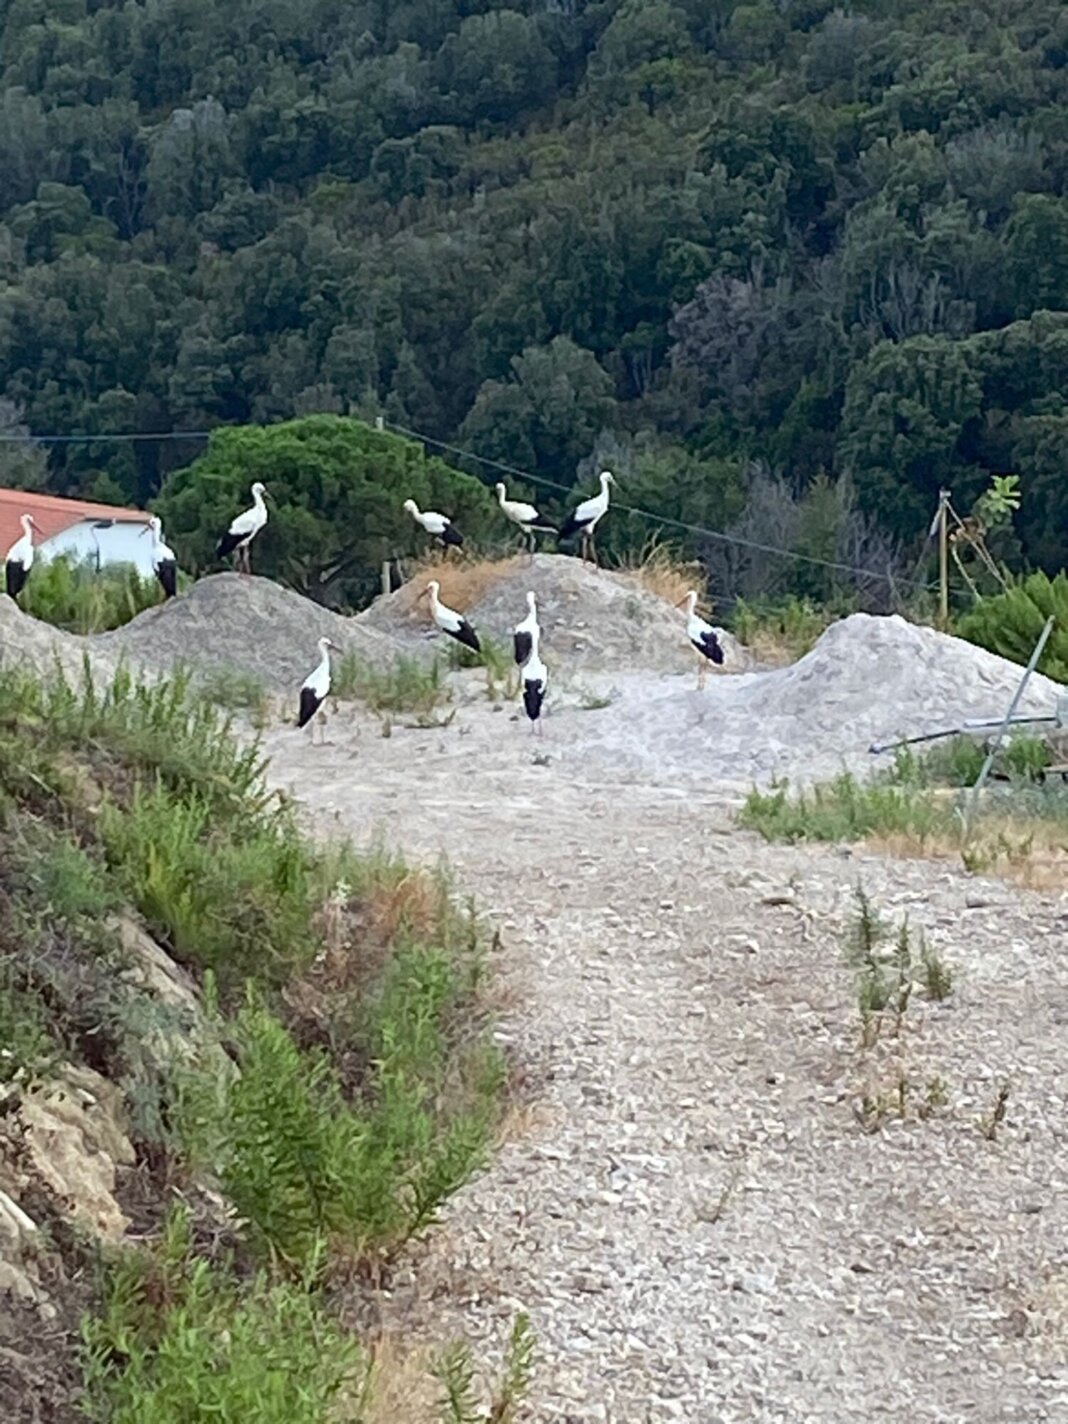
x,y
79,597
791,625
302,1163
1011,623
959,760
843,810
27,1045
231,893
158,727
180,1340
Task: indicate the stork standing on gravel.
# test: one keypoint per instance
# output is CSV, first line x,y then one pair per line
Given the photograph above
x,y
525,516
526,632
164,563
243,530
438,526
315,688
702,637
19,559
535,679
448,620
584,520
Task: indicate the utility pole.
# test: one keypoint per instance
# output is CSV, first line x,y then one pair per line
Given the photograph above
x,y
943,558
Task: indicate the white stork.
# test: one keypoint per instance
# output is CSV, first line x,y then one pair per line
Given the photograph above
x,y
164,563
243,530
19,559
439,526
535,679
702,637
448,620
584,520
526,632
315,688
525,516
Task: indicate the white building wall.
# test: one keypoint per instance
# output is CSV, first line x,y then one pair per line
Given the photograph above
x,y
118,544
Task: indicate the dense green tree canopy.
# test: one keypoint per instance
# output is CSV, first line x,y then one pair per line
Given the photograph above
x,y
336,489
827,241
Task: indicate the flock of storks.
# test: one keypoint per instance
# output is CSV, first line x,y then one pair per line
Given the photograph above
x,y
534,676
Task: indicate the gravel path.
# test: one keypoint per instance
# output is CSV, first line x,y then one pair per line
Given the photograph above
x,y
692,1213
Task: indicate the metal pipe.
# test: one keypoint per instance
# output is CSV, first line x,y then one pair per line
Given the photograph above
x,y
973,800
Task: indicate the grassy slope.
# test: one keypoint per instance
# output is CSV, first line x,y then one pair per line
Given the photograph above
x,y
348,990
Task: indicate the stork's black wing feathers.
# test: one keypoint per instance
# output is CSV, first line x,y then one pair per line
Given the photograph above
x,y
167,573
570,527
14,577
309,705
451,536
227,544
533,696
710,647
523,644
466,634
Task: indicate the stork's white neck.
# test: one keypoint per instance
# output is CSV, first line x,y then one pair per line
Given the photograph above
x,y
27,526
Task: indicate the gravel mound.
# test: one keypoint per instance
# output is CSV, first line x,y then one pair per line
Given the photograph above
x,y
230,623
39,647
598,617
868,679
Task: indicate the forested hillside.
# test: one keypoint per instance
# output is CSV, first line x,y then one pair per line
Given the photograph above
x,y
698,234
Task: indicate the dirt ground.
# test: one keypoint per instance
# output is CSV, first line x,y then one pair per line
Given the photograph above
x,y
688,1202
715,1204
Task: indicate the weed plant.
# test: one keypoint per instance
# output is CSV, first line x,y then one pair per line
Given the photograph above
x,y
407,685
180,1339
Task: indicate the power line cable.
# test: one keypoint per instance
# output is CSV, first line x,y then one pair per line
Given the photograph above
x,y
134,437
661,519
109,437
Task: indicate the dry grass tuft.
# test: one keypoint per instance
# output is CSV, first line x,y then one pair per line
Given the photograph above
x,y
1031,853
413,901
463,581
359,930
403,1387
659,570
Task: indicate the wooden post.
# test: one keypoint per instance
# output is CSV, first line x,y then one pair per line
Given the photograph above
x,y
385,576
380,423
943,558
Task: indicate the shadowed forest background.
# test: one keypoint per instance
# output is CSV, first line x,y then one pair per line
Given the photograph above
x,y
730,249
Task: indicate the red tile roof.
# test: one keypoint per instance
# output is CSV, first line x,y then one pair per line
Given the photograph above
x,y
53,514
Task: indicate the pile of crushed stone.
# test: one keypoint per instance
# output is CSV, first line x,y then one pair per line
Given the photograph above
x,y
227,623
39,647
230,623
867,680
594,617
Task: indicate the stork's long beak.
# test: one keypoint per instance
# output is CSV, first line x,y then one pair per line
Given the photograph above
x,y
146,530
682,602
